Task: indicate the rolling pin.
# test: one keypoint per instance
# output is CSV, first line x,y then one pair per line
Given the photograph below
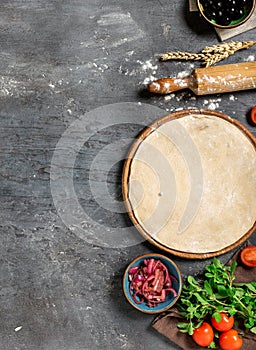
x,y
210,80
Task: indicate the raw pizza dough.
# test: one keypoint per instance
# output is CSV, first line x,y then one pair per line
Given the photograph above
x,y
192,184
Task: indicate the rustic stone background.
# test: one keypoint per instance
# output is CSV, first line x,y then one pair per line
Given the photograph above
x,y
59,61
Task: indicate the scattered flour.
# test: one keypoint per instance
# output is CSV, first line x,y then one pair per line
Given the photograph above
x,y
212,104
181,96
169,97
148,80
17,329
11,87
147,65
166,30
250,58
183,74
100,67
114,18
115,22
130,53
149,68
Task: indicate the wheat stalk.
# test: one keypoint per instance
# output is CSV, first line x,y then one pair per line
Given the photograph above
x,y
209,61
231,46
210,54
184,56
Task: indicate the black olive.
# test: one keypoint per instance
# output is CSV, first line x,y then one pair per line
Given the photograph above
x,y
244,2
233,3
210,14
220,13
206,6
211,4
239,13
232,11
214,15
224,20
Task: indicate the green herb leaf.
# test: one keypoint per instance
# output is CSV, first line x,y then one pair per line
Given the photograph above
x,y
251,287
222,290
191,329
201,299
212,345
183,327
217,293
208,287
233,267
253,330
193,282
217,316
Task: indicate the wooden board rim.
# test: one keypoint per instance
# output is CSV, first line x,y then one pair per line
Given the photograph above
x,y
126,172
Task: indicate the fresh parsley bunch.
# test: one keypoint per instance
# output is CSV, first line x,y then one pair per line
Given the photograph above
x,y
216,293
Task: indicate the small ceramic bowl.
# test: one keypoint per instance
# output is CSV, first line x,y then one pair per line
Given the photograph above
x,y
170,298
230,6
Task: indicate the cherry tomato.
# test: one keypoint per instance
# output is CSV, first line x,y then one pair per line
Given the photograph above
x,y
248,256
225,323
230,340
253,115
203,335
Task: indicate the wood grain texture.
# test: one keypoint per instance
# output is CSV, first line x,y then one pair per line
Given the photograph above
x,y
211,80
224,78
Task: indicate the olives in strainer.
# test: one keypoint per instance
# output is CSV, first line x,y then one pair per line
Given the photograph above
x,y
223,12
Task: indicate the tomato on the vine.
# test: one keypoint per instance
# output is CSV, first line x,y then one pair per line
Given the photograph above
x,y
248,256
224,324
253,115
230,340
203,335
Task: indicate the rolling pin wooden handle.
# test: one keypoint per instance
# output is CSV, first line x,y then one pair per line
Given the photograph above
x,y
168,85
211,80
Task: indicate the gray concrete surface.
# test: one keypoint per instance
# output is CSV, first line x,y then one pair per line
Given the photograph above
x,y
61,64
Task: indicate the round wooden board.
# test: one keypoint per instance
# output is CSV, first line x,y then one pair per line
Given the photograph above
x,y
163,236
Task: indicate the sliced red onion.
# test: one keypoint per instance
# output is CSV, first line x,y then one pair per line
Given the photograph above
x,y
151,283
138,278
133,270
150,265
173,291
